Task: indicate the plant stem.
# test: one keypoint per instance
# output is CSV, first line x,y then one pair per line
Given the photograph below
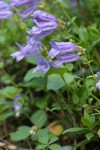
x,y
67,16
29,144
5,128
88,64
95,97
83,79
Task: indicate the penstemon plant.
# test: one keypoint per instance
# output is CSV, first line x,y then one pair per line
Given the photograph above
x,y
52,93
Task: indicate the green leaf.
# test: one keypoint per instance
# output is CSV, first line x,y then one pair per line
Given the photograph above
x,y
55,147
56,106
69,67
41,102
21,134
55,82
53,138
31,59
72,130
99,133
68,78
89,136
6,115
86,120
83,34
44,133
39,118
29,75
59,71
75,98
10,92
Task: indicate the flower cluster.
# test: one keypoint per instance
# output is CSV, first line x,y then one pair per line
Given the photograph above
x,y
98,83
62,52
6,10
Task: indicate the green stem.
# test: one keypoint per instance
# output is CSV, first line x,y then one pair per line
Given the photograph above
x,y
5,128
67,16
83,79
88,64
29,144
96,98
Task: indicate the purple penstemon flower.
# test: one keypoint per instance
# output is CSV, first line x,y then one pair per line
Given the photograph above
x,y
61,47
5,10
45,22
17,105
41,16
42,64
30,5
32,48
63,52
65,58
98,83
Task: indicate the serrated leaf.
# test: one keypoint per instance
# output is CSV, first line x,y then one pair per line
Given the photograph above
x,y
68,77
29,75
55,82
39,118
69,67
21,133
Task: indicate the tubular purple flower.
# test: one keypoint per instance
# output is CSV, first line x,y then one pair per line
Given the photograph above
x,y
30,5
57,63
17,105
41,16
46,24
98,74
42,64
43,29
32,48
68,57
98,83
5,10
61,47
65,58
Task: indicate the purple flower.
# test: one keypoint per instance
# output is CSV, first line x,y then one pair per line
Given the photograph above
x,y
41,16
61,48
42,64
98,74
32,48
65,58
45,22
17,104
98,83
5,10
63,51
30,6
